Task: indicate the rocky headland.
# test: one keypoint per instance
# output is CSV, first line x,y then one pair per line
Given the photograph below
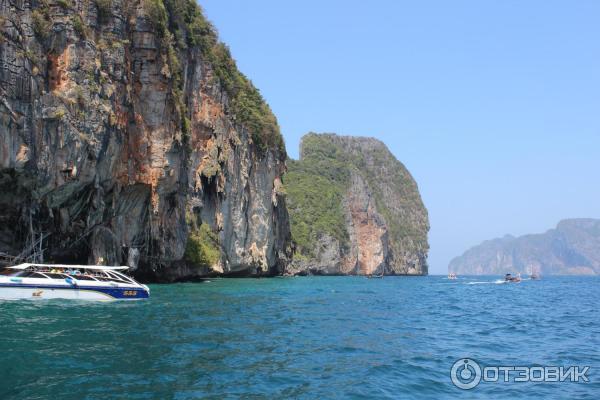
x,y
128,134
354,210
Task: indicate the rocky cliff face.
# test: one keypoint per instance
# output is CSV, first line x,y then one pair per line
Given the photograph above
x,y
354,210
572,248
127,133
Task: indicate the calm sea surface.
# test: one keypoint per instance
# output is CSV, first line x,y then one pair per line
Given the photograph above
x,y
317,337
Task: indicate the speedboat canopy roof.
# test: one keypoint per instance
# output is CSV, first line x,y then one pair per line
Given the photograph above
x,y
93,267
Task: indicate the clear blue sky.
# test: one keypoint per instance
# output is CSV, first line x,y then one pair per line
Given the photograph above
x,y
494,106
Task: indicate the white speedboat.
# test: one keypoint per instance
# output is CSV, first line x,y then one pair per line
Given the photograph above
x,y
46,281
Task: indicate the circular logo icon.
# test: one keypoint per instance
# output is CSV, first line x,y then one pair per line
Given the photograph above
x,y
465,374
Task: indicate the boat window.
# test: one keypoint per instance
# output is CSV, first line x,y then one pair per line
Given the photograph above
x,y
118,277
31,274
55,276
8,272
84,278
45,273
123,277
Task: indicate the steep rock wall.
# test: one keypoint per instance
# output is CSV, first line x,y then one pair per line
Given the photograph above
x,y
119,139
355,210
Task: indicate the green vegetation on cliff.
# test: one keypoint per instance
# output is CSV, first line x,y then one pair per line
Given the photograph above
x,y
181,25
202,248
318,183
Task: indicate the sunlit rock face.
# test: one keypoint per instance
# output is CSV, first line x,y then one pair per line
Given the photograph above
x,y
116,139
355,210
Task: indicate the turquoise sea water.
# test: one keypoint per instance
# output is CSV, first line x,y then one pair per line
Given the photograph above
x,y
315,337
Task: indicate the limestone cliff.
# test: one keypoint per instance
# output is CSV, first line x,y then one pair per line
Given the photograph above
x,y
572,248
354,210
127,133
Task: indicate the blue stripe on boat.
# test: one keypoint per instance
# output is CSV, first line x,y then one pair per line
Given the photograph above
x,y
117,293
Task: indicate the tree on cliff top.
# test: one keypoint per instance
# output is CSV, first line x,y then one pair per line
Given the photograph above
x,y
184,20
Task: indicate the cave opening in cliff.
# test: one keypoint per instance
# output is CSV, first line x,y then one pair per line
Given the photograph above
x,y
209,187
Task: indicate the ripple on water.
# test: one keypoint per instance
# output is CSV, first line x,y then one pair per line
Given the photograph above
x,y
300,338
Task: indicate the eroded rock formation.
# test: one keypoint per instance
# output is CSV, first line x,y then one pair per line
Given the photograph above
x,y
122,128
355,210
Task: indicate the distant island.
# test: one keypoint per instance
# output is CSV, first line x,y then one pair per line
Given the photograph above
x,y
573,248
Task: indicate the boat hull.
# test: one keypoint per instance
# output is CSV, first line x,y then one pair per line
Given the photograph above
x,y
40,292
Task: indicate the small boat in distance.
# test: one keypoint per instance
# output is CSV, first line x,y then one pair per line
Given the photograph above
x,y
76,282
513,279
533,274
452,275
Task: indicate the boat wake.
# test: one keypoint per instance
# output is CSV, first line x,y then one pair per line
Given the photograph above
x,y
496,282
